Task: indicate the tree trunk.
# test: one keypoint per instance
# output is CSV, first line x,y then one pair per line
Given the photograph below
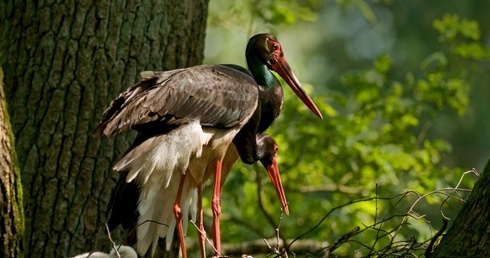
x,y
64,62
11,210
469,235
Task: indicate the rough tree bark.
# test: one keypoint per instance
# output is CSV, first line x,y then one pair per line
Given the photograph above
x,y
469,235
11,210
64,62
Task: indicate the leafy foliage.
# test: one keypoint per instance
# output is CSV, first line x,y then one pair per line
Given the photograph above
x,y
263,13
373,141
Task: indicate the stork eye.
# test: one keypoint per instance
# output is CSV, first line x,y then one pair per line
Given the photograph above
x,y
275,46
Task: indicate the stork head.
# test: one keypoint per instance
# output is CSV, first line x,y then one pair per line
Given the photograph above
x,y
267,151
269,52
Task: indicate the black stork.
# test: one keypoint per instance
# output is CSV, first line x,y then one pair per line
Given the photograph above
x,y
267,151
264,53
186,120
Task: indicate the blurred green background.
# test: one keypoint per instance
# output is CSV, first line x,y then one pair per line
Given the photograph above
x,y
403,87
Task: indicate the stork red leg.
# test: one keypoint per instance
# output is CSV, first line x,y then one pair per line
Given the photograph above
x,y
216,206
178,216
202,232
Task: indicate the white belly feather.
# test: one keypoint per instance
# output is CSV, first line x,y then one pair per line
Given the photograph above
x,y
157,165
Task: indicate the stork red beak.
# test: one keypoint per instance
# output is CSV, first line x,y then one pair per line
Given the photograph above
x,y
273,171
281,66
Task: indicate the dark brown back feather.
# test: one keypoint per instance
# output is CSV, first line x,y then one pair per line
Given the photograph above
x,y
215,95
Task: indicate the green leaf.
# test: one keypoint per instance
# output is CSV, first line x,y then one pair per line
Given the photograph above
x,y
472,50
470,29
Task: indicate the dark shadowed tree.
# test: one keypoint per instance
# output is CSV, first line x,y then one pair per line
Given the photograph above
x,y
469,235
63,63
11,212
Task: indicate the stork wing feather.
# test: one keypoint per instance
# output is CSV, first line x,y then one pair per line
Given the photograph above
x,y
215,95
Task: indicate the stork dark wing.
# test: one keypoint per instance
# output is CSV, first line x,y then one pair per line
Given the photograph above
x,y
215,95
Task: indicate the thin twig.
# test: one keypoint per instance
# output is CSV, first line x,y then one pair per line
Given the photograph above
x,y
428,251
344,238
114,245
144,222
325,216
205,236
473,171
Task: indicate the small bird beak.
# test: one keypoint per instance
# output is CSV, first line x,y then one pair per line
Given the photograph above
x,y
273,171
281,66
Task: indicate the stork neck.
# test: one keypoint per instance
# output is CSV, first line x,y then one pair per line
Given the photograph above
x,y
263,76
